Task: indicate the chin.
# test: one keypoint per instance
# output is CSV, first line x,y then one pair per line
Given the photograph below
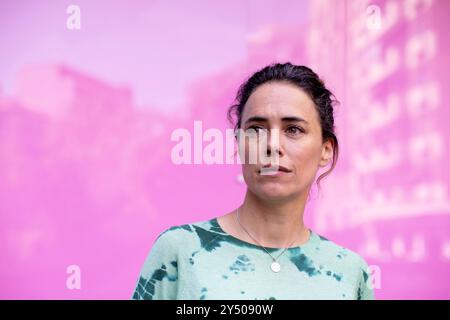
x,y
274,193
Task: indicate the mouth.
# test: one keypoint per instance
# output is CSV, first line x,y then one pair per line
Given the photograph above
x,y
273,170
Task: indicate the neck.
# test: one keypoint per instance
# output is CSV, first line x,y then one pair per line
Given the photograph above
x,y
274,224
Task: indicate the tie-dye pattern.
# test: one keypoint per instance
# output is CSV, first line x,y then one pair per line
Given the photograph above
x,y
201,261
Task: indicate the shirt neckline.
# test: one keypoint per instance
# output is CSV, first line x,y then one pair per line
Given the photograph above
x,y
307,243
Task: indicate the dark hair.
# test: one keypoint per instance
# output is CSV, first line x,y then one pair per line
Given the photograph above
x,y
304,78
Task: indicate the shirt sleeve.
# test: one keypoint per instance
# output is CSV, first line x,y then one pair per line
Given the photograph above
x,y
159,275
365,287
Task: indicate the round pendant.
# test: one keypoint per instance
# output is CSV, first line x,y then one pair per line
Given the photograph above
x,y
275,266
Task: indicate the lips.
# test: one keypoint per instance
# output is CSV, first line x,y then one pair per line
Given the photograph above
x,y
269,168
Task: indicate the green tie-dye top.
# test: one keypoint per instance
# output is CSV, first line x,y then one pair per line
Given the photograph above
x,y
201,261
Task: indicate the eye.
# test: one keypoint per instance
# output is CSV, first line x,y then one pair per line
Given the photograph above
x,y
294,130
256,128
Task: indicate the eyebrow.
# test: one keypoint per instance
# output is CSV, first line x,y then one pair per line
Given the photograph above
x,y
284,119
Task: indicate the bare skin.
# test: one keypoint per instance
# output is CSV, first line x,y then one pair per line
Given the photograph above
x,y
273,208
229,224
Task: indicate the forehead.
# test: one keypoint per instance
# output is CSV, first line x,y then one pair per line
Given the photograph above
x,y
279,99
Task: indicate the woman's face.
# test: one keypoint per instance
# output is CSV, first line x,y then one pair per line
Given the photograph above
x,y
282,106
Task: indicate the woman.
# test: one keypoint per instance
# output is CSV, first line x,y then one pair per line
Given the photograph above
x,y
262,249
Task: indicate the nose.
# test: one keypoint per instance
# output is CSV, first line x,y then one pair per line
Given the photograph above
x,y
275,149
274,144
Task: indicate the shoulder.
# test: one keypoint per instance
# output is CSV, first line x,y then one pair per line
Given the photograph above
x,y
348,266
344,257
186,234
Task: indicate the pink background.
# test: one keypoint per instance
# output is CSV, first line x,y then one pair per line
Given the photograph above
x,y
86,117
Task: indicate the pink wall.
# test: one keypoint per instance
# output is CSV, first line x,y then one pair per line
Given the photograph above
x,y
86,117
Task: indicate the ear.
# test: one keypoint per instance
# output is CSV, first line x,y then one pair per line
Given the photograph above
x,y
327,153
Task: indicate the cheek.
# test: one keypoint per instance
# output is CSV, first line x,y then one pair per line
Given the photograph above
x,y
251,151
304,156
249,175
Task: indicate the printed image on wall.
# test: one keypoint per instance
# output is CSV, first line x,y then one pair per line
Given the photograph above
x,y
91,92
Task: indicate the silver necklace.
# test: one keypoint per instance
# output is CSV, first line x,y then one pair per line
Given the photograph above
x,y
275,265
